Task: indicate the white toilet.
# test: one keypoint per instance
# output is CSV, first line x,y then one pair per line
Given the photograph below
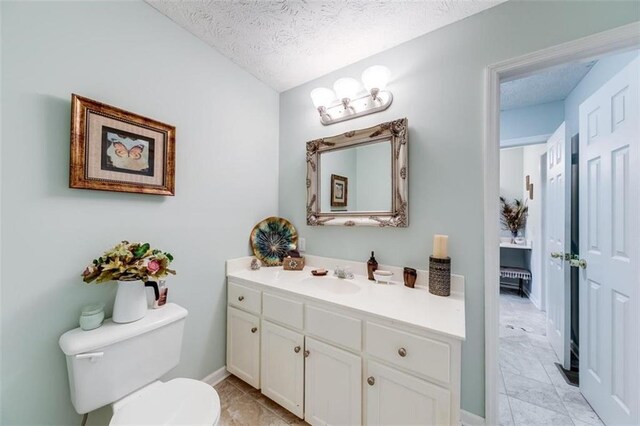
x,y
120,364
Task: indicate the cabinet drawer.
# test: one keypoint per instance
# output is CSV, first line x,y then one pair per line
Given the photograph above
x,y
285,311
244,297
341,329
420,354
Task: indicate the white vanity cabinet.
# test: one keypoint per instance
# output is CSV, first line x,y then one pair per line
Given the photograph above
x,y
332,363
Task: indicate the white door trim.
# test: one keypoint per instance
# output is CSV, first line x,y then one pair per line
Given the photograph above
x,y
621,38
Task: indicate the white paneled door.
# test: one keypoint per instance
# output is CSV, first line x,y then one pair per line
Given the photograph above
x,y
609,243
558,214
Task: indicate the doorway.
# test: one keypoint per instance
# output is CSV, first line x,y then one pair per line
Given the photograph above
x,y
558,187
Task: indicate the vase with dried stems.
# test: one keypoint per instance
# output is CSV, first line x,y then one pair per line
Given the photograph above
x,y
513,216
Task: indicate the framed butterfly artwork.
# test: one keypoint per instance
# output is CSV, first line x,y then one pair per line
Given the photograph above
x,y
116,150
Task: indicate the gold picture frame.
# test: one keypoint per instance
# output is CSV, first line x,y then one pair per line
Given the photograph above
x,y
116,150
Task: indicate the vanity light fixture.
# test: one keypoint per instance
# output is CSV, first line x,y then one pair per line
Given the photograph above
x,y
348,100
375,79
321,97
346,88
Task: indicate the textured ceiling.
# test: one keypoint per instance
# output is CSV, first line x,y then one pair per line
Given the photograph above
x,y
551,85
289,42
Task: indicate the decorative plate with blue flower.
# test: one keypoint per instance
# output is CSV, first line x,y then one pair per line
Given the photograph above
x,y
272,239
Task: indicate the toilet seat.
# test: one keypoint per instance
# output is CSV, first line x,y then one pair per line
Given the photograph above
x,y
176,402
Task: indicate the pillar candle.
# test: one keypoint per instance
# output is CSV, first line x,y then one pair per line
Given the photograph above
x,y
440,246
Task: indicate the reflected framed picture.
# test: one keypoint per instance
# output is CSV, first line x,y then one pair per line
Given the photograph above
x,y
339,189
116,150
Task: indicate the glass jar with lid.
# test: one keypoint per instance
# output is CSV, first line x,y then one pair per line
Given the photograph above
x,y
92,316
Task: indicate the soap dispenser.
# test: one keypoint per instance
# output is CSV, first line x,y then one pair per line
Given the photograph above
x,y
372,265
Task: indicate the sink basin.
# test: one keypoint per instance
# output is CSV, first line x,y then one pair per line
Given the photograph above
x,y
332,285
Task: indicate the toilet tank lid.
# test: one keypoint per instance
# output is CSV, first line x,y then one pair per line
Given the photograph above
x,y
78,341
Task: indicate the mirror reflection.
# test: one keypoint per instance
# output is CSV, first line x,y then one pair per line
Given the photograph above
x,y
357,179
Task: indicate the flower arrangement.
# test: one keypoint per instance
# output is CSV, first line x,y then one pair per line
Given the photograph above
x,y
513,216
129,262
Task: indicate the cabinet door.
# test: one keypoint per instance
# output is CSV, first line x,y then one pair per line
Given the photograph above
x,y
282,367
243,346
333,387
396,398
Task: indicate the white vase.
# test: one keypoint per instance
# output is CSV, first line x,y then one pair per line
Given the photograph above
x,y
131,302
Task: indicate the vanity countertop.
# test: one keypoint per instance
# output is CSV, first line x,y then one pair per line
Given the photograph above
x,y
412,306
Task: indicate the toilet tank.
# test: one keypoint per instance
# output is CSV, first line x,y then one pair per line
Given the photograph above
x,y
110,362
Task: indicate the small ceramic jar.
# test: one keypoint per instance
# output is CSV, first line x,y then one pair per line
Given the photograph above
x,y
92,316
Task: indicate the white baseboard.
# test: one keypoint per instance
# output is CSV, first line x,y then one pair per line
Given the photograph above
x,y
533,300
470,419
217,376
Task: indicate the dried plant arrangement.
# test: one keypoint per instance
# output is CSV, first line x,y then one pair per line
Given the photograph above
x,y
513,216
129,262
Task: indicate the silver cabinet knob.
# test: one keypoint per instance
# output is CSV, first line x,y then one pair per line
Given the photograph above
x,y
371,380
402,352
306,354
296,349
254,329
240,298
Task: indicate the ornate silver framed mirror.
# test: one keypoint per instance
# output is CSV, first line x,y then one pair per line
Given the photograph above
x,y
360,178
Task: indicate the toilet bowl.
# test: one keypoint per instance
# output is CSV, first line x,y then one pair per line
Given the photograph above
x,y
121,364
176,402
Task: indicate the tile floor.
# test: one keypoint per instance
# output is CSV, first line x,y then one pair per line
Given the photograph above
x,y
241,404
532,390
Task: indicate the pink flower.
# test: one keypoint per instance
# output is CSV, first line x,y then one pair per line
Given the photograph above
x,y
153,266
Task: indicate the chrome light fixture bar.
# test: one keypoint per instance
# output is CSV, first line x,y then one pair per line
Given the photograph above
x,y
348,100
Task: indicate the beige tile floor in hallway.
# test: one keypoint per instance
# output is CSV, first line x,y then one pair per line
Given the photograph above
x,y
532,389
242,405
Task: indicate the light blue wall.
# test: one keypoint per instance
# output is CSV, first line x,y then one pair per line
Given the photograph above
x,y
527,122
438,83
374,177
601,72
128,55
511,180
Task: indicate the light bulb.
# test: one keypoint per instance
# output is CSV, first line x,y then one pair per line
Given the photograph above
x,y
375,78
322,97
346,88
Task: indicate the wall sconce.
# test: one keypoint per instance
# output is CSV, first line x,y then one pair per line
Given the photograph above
x,y
347,100
529,186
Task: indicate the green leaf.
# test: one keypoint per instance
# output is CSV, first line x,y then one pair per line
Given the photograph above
x,y
140,251
169,256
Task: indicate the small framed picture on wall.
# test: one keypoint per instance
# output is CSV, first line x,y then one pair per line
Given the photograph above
x,y
117,150
339,189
